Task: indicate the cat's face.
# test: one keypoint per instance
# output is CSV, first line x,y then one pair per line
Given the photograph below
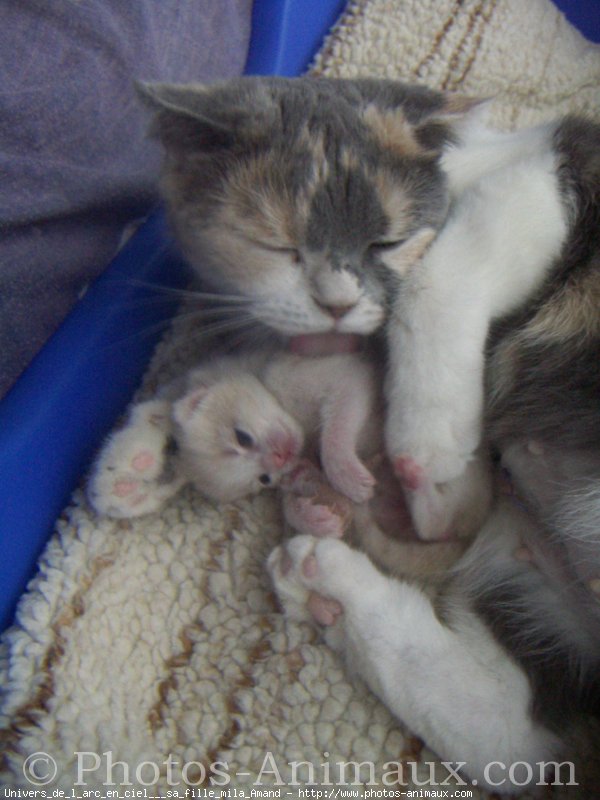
x,y
235,438
311,198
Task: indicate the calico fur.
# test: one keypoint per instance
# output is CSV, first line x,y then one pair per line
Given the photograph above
x,y
351,207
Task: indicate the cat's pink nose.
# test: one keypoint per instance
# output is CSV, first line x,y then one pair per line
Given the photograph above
x,y
337,312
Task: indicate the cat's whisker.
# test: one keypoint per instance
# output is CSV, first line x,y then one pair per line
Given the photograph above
x,y
219,326
202,312
191,293
200,332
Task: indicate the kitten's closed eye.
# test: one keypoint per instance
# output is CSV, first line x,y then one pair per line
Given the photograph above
x,y
243,439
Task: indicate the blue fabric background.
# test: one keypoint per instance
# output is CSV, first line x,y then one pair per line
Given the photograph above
x,y
75,161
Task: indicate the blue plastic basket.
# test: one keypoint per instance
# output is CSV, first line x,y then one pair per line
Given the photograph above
x,y
53,419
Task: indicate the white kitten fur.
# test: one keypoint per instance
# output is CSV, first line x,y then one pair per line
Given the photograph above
x,y
240,425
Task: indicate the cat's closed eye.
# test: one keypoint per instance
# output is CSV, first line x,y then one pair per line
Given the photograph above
x,y
384,247
292,252
243,439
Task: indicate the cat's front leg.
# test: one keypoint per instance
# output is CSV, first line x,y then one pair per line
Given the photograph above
x,y
434,387
453,686
130,476
454,508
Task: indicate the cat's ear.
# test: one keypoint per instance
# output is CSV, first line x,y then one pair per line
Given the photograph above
x,y
420,125
202,116
456,112
457,105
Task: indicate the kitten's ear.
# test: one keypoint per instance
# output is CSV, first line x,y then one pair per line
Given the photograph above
x,y
201,381
185,407
203,116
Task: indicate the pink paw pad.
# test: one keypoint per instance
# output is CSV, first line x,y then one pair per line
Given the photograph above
x,y
322,521
124,488
408,472
310,567
325,610
143,461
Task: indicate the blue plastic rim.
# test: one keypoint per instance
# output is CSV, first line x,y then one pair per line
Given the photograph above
x,y
54,418
286,35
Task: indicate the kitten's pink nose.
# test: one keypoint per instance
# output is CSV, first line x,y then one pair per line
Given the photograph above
x,y
279,459
337,312
284,448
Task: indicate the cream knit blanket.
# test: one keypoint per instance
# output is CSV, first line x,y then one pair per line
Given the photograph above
x,y
157,642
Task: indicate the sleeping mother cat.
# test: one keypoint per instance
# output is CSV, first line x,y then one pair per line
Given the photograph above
x,y
330,209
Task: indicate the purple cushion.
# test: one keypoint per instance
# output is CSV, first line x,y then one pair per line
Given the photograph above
x,y
75,160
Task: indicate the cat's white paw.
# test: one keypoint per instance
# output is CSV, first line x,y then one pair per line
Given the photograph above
x,y
438,435
282,567
316,579
128,477
293,568
430,456
457,507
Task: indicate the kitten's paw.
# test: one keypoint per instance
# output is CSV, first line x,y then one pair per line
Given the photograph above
x,y
317,519
125,480
350,477
304,479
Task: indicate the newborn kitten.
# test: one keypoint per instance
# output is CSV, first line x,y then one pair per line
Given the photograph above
x,y
240,424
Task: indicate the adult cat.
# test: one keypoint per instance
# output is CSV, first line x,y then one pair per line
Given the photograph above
x,y
316,201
